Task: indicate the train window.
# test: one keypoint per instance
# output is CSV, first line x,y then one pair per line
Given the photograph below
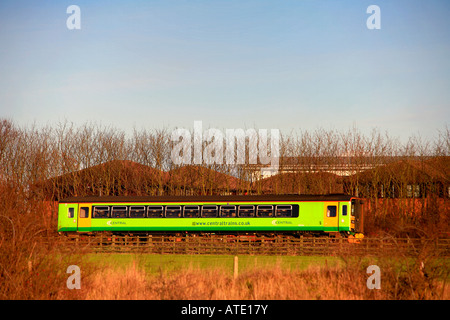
x,y
119,212
246,211
209,211
84,212
228,211
344,210
155,211
265,211
191,211
331,211
284,211
173,211
137,212
71,213
100,212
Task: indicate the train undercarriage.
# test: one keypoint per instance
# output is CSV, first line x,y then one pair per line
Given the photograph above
x,y
218,236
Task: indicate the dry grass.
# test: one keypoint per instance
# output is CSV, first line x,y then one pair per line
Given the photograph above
x,y
276,284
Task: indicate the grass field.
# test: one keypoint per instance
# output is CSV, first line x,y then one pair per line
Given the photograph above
x,y
156,264
129,276
43,275
133,276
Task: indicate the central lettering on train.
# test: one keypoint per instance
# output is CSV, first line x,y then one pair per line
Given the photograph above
x,y
110,223
276,222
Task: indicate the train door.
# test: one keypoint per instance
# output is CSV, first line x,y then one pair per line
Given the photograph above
x,y
357,216
67,217
344,216
331,216
84,217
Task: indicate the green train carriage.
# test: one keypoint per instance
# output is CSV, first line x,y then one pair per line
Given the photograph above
x,y
265,214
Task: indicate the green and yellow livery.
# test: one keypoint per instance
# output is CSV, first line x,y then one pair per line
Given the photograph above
x,y
264,214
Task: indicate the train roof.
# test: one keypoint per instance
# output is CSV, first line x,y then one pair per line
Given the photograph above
x,y
233,198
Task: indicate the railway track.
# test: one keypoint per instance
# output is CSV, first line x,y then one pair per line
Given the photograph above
x,y
254,245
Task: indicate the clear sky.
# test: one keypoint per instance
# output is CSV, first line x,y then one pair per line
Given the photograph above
x,y
286,65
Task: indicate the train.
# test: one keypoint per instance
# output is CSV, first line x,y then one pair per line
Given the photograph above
x,y
333,215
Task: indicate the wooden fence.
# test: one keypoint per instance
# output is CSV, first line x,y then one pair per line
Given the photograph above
x,y
253,245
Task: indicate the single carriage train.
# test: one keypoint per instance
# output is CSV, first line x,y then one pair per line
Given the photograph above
x,y
259,215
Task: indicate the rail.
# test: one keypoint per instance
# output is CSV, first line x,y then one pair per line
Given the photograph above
x,y
255,245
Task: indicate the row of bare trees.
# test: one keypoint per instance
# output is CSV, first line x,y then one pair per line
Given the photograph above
x,y
34,154
49,163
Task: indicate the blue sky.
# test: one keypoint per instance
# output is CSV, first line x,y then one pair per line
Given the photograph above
x,y
287,65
